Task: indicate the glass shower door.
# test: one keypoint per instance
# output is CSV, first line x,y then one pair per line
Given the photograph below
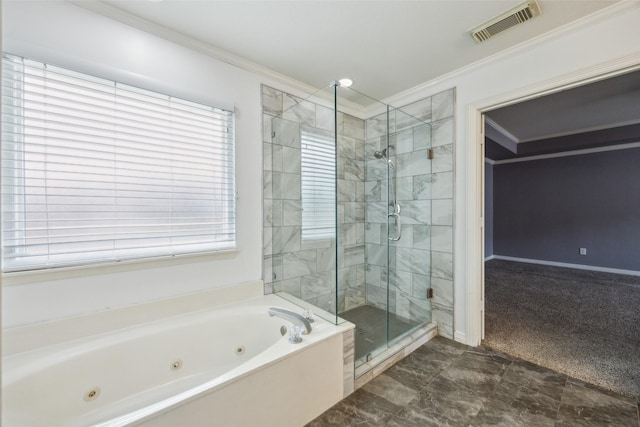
x,y
408,223
397,197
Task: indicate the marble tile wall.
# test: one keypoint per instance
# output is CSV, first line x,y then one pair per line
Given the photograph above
x,y
307,269
423,257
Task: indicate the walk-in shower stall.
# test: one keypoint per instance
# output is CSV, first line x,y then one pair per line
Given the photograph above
x,y
348,210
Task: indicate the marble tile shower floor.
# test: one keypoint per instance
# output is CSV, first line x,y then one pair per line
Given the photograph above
x,y
371,328
444,383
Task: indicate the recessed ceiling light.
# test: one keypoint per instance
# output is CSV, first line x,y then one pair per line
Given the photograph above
x,y
345,82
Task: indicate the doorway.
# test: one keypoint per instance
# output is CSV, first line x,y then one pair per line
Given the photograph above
x,y
557,275
473,219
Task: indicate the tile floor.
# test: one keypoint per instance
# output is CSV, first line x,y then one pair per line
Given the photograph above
x,y
583,323
444,383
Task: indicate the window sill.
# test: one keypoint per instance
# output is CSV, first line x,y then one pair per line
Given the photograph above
x,y
58,273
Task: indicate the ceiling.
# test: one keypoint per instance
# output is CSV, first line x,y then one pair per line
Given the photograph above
x,y
603,113
391,46
386,47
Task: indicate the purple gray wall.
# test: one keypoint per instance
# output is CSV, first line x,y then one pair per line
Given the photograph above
x,y
488,210
548,209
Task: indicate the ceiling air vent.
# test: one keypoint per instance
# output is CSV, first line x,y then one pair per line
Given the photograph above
x,y
512,17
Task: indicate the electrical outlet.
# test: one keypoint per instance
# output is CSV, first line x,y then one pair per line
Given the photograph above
x,y
583,251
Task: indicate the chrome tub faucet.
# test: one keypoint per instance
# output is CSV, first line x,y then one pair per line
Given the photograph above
x,y
300,324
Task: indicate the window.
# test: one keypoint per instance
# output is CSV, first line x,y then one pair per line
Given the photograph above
x,y
94,171
318,167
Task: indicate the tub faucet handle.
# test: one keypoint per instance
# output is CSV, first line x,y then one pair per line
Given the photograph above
x,y
294,334
308,314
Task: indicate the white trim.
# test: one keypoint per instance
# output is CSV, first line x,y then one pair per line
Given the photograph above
x,y
489,258
473,251
489,161
511,137
582,130
515,140
2,322
568,265
495,133
460,337
568,153
581,77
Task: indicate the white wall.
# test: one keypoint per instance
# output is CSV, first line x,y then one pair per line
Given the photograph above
x,y
536,66
61,33
66,32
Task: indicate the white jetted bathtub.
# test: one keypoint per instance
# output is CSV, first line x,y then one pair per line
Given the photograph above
x,y
229,366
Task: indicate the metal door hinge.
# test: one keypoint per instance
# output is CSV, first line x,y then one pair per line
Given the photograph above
x,y
430,153
429,293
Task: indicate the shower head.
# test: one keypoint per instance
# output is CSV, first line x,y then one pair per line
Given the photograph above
x,y
382,154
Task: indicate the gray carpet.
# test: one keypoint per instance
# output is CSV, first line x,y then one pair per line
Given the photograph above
x,y
582,323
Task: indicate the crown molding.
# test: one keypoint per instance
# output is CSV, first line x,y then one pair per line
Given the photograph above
x,y
289,84
566,153
501,137
502,130
304,90
424,89
581,130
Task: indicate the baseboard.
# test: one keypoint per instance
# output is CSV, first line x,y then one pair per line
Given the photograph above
x,y
460,337
489,258
568,265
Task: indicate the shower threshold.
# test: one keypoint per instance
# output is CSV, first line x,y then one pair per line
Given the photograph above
x,y
371,330
396,350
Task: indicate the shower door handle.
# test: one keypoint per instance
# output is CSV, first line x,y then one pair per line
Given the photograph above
x,y
396,216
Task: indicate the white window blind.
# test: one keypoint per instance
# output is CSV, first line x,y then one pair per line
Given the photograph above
x,y
94,171
318,168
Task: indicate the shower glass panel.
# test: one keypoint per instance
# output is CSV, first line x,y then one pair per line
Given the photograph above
x,y
350,207
303,207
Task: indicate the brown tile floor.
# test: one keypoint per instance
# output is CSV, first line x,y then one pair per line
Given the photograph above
x,y
444,383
